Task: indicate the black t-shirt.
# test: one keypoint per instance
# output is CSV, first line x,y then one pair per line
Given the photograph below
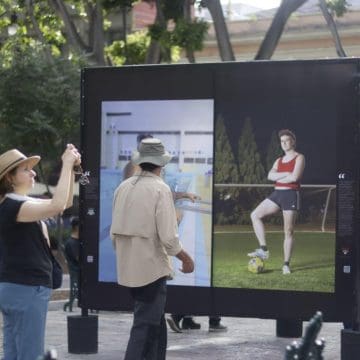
x,y
25,253
72,250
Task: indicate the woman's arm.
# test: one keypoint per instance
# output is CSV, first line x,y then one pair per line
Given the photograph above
x,y
70,199
38,210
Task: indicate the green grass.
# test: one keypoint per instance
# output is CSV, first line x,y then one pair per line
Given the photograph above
x,y
312,263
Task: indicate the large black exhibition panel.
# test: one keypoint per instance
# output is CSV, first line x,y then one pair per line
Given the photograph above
x,y
220,122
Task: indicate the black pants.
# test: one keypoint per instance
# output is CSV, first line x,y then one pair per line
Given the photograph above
x,y
148,336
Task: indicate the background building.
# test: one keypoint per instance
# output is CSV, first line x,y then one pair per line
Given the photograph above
x,y
306,34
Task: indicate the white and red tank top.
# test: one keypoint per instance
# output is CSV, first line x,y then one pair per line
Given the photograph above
x,y
287,167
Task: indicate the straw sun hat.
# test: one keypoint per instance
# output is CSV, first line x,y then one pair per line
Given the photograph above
x,y
151,151
13,158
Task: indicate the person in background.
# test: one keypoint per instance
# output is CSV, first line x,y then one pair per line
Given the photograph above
x,y
188,323
72,256
26,268
144,232
72,246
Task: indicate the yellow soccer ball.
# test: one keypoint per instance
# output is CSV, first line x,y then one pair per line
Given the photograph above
x,y
256,265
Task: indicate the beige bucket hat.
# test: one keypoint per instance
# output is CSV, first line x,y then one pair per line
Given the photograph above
x,y
13,158
151,151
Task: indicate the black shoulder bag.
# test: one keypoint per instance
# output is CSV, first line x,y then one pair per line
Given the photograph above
x,y
57,273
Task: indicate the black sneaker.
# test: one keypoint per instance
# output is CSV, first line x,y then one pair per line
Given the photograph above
x,y
190,324
173,324
217,327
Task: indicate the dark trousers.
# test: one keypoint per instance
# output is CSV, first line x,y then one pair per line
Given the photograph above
x,y
148,336
214,320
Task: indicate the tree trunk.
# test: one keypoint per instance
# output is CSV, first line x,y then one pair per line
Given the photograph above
x,y
273,35
73,36
332,26
124,11
187,16
39,34
153,55
99,38
222,35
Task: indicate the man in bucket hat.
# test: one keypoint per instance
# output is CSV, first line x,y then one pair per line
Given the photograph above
x,y
144,233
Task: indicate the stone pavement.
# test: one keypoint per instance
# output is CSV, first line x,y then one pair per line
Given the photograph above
x,y
246,339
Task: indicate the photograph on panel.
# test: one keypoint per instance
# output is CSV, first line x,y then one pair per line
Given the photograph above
x,y
185,128
274,200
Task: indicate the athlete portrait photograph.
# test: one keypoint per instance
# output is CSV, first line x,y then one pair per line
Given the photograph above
x,y
286,172
274,187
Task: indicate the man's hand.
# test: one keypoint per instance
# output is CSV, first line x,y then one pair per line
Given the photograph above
x,y
187,262
187,266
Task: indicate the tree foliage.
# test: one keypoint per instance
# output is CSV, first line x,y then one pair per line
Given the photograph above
x,y
78,28
39,103
273,151
337,7
225,172
133,51
174,27
251,170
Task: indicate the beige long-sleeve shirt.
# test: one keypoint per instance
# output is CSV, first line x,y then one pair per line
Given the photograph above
x,y
144,230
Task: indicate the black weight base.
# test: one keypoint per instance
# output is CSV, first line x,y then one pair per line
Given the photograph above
x,y
82,334
350,345
288,328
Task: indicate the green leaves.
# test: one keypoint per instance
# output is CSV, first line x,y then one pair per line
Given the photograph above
x,y
189,35
337,7
39,103
131,52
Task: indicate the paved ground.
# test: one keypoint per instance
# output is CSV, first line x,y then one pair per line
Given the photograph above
x,y
246,339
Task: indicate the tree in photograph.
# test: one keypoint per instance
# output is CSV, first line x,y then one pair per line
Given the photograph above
x,y
225,172
273,151
251,170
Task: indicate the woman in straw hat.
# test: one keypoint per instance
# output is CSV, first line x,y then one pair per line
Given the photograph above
x,y
26,266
